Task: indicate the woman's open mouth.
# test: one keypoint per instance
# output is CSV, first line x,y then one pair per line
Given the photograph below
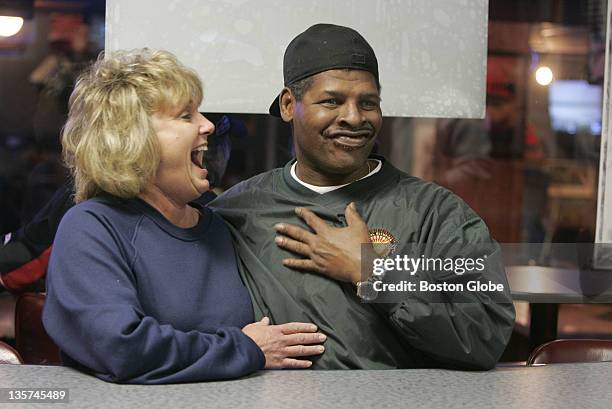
x,y
197,156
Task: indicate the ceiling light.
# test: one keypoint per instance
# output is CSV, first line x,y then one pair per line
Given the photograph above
x,y
544,76
9,26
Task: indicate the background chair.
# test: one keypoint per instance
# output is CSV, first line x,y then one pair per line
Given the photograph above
x,y
572,350
8,355
32,340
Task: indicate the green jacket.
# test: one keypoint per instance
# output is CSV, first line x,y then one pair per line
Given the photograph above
x,y
470,334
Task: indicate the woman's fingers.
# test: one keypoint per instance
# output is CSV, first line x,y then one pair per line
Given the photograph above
x,y
294,339
296,327
295,363
305,338
304,350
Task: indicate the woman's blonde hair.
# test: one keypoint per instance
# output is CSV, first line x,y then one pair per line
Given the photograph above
x,y
108,141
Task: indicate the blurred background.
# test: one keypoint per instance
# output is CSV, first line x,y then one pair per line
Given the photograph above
x,y
529,168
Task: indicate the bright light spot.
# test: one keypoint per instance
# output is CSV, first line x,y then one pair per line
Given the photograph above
x,y
544,75
10,26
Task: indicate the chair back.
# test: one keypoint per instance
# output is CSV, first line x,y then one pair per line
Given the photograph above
x,y
8,355
572,350
32,341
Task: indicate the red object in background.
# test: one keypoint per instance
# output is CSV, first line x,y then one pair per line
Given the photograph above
x,y
32,341
501,73
533,147
572,350
25,276
64,26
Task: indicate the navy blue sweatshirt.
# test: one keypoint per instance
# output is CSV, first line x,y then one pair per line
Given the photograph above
x,y
136,299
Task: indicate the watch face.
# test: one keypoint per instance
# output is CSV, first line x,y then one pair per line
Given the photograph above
x,y
366,291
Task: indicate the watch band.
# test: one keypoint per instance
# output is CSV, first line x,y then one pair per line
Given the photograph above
x,y
366,290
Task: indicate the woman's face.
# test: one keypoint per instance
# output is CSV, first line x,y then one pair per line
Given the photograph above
x,y
183,136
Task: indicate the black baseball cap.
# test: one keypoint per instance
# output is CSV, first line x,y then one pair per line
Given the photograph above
x,y
325,47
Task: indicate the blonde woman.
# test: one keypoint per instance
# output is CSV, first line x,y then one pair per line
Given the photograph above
x,y
142,284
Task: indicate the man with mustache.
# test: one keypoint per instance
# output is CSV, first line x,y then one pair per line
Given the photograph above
x,y
332,100
312,273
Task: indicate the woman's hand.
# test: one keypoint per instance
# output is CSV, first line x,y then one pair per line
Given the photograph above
x,y
282,343
332,251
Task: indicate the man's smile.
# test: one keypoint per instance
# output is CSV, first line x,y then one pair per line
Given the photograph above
x,y
350,143
350,140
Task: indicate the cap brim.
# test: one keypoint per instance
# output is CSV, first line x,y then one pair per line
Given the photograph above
x,y
275,107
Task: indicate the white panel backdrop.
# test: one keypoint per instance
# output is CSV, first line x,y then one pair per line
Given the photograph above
x,y
432,53
603,234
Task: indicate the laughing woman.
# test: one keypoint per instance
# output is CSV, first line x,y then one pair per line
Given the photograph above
x,y
142,284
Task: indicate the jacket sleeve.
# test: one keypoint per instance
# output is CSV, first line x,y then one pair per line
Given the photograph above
x,y
463,330
24,255
93,313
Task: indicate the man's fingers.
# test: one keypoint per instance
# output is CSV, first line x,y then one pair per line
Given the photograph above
x,y
301,264
352,215
293,245
311,219
295,363
295,232
296,327
304,350
305,338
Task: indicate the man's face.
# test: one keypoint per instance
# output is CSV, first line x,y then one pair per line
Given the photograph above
x,y
334,125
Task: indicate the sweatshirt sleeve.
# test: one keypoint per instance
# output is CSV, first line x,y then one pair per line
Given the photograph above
x,y
467,330
93,313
